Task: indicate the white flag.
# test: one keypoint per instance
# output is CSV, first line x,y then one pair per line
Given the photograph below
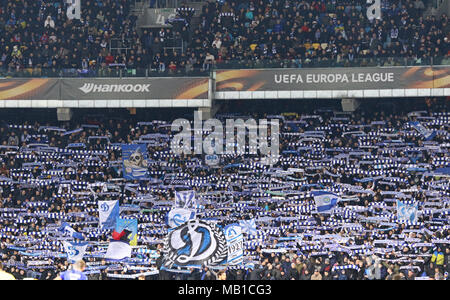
x,y
235,241
179,216
75,252
108,212
118,250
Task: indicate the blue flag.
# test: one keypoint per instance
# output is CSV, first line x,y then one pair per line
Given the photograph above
x,y
135,164
67,230
325,201
130,225
425,132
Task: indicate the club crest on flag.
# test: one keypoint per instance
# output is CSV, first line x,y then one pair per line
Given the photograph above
x,y
185,199
235,242
75,252
195,243
325,201
178,216
104,207
108,213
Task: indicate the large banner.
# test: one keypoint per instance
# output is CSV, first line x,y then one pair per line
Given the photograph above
x,y
134,88
135,164
104,89
333,79
195,243
184,88
235,241
29,89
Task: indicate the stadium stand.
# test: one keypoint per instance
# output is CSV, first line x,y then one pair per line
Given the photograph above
x,y
38,39
357,190
374,156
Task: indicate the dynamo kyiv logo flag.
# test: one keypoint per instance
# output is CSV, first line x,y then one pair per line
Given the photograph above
x,y
406,213
325,201
235,242
108,213
178,216
195,243
135,164
75,252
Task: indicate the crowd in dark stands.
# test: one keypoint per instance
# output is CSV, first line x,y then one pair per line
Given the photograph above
x,y
324,33
37,38
37,35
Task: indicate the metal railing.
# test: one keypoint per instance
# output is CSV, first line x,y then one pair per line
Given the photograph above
x,y
139,7
119,45
204,69
102,72
163,3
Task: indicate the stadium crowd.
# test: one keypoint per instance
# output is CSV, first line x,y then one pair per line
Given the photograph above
x,y
54,172
38,39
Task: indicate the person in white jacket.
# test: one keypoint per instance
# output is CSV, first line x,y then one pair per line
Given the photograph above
x,y
217,43
4,275
49,22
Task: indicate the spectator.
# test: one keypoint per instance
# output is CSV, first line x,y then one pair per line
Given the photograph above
x,y
438,257
316,275
247,33
49,23
217,43
4,275
208,62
